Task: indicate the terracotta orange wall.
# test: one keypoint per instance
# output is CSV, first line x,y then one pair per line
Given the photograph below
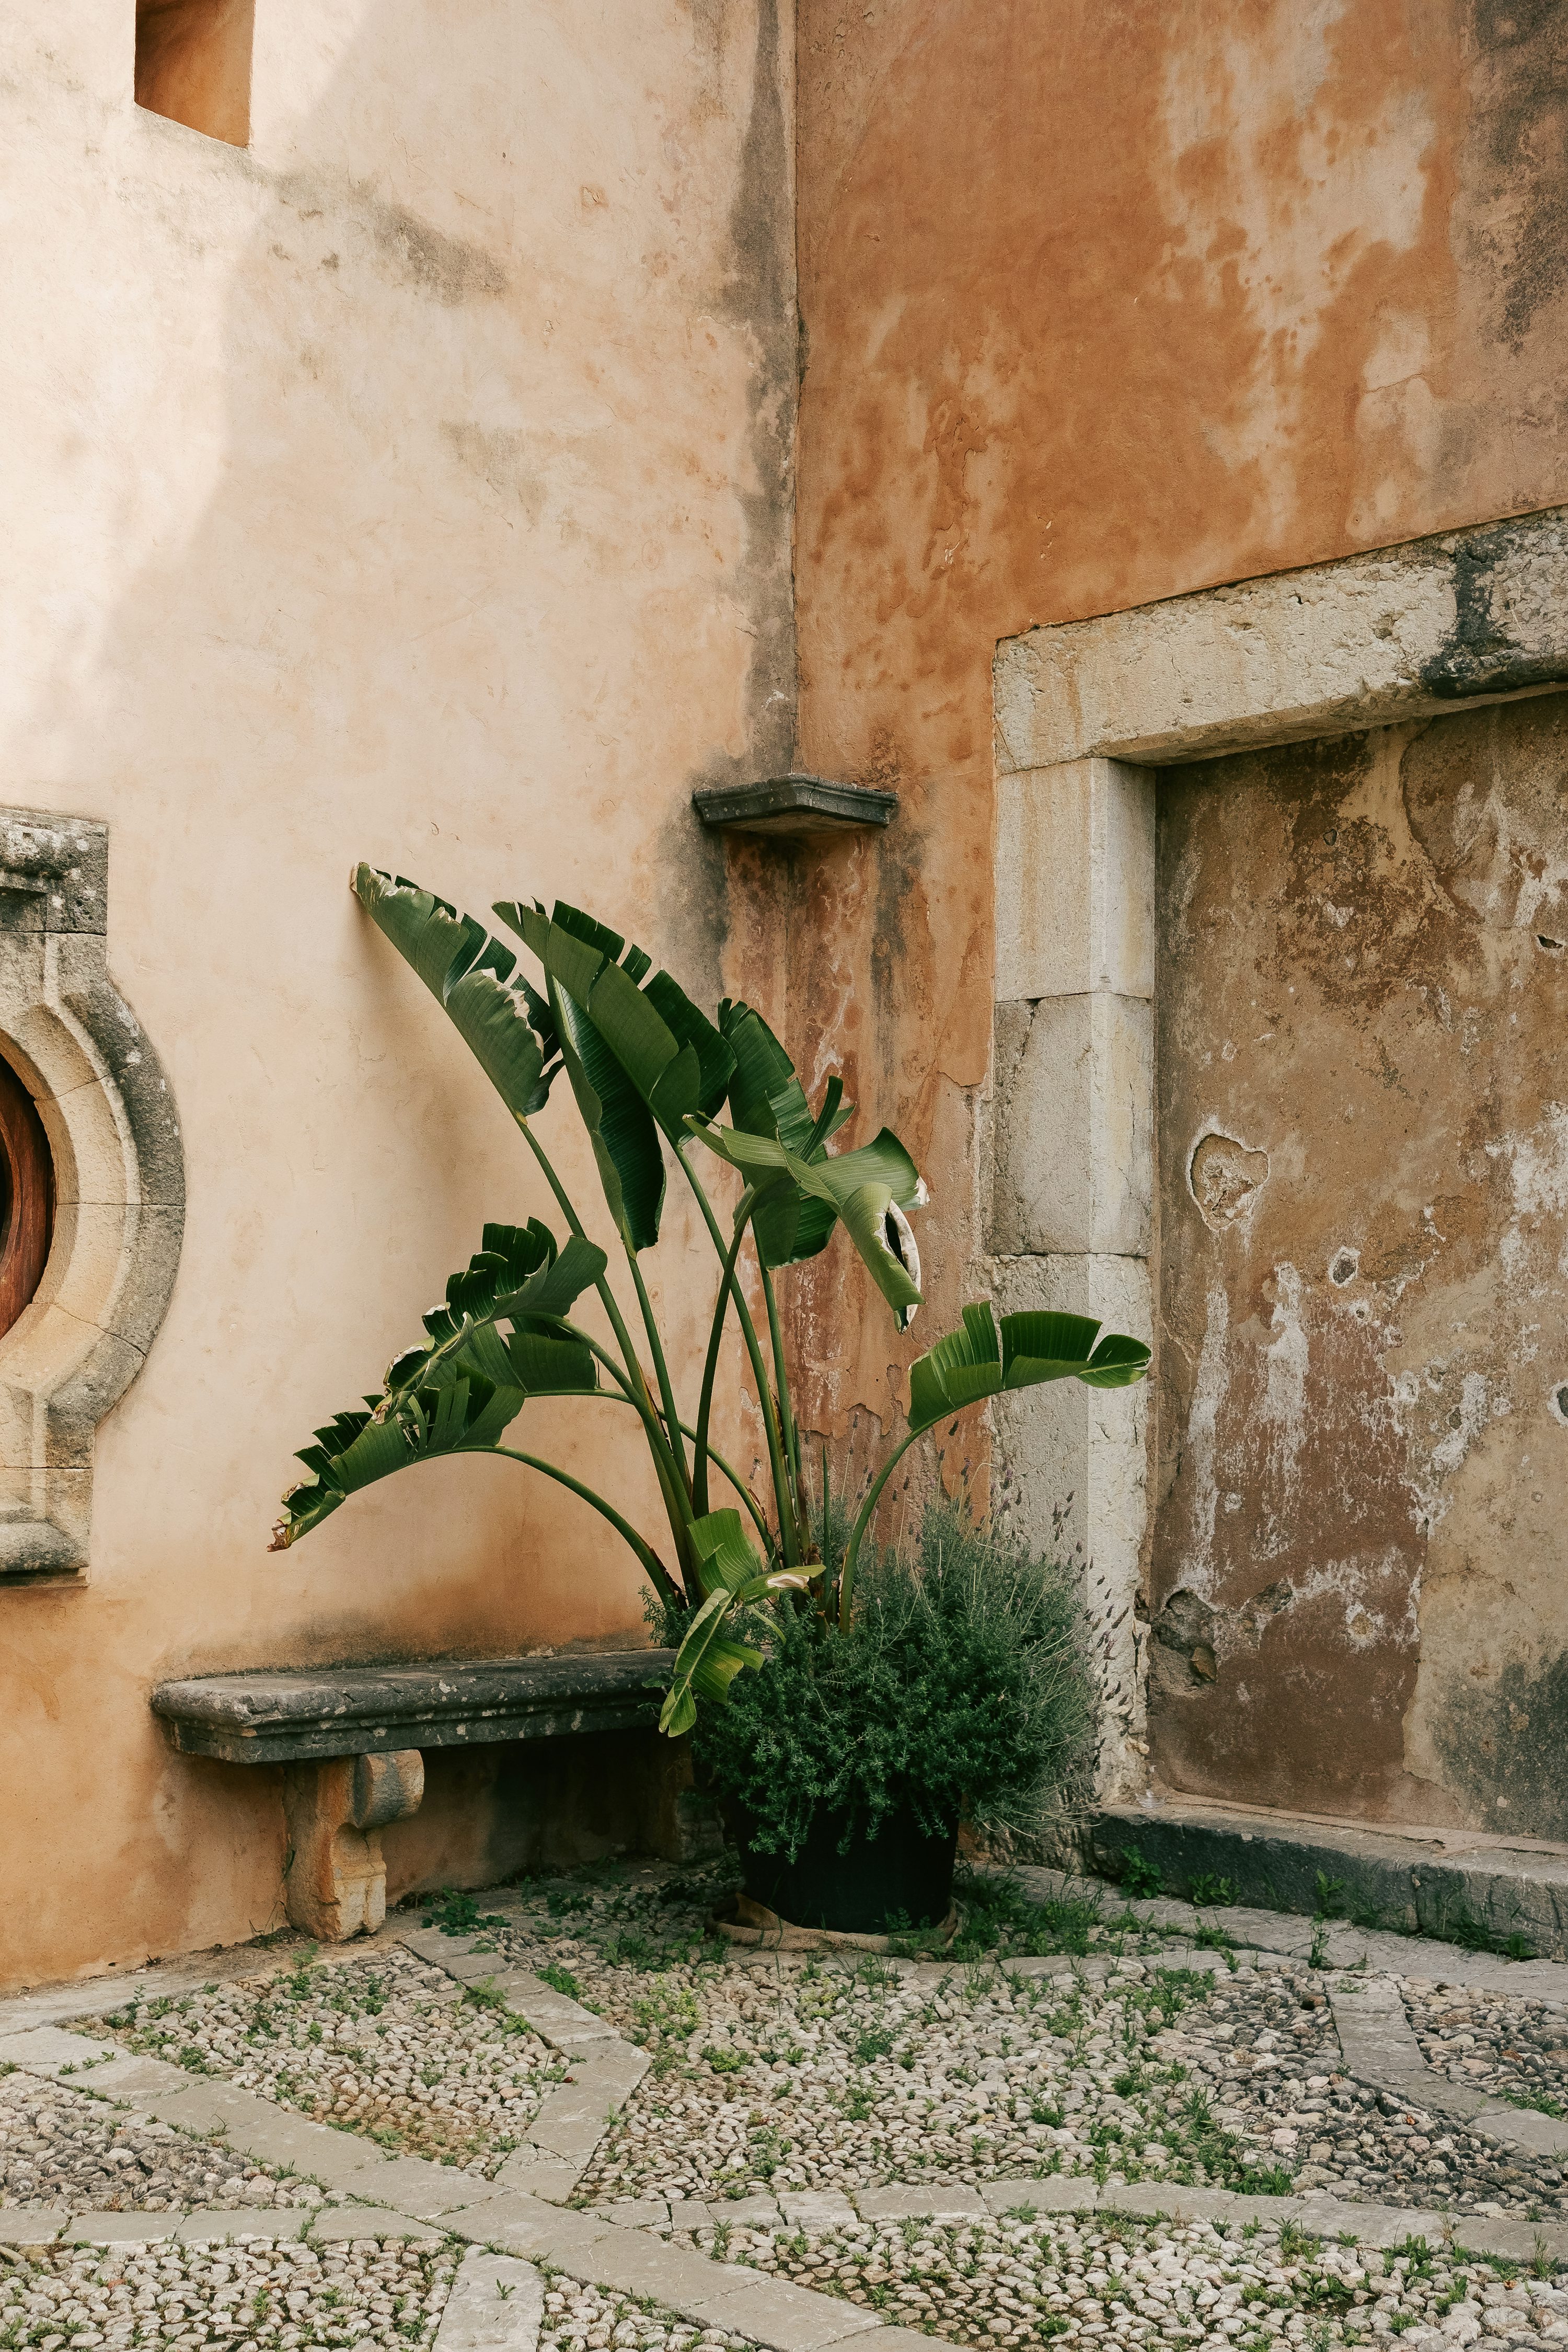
x,y
1101,303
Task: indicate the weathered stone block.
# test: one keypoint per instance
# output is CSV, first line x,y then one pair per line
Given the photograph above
x,y
1075,881
1402,633
497,2304
336,1882
1072,1133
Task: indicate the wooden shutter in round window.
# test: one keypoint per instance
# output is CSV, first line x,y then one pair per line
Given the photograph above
x,y
27,1197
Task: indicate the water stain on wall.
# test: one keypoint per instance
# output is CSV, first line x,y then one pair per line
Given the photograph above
x,y
1363,1174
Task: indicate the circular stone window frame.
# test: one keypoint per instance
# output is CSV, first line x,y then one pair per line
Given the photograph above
x,y
108,1112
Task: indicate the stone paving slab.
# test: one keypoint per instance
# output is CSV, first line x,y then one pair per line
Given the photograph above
x,y
215,2227
122,2229
46,2049
760,2212
534,2174
777,2313
1373,2225
815,2209
1078,2195
21,2228
516,2224
331,2224
689,2213
637,2213
946,2204
496,2305
1524,2128
1289,1935
1379,2047
415,2186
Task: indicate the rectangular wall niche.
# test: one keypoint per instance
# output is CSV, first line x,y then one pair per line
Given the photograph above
x,y
1362,992
1281,888
193,64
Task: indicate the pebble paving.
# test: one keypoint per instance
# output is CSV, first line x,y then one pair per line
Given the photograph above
x,y
842,2073
1026,2283
590,2319
1516,2050
256,2296
1125,2062
58,2146
390,2047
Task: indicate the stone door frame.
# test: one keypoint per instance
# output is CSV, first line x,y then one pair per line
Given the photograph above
x,y
1085,714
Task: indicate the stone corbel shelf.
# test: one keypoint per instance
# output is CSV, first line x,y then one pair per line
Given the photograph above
x,y
796,806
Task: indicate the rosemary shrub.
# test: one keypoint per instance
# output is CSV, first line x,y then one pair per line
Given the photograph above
x,y
960,1689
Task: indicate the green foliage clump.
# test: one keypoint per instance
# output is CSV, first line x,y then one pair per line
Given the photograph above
x,y
959,1688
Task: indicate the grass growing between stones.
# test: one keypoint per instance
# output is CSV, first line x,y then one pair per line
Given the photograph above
x,y
1030,2281
61,2148
257,2296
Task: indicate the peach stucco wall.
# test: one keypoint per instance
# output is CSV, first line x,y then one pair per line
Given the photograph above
x,y
412,485
1103,303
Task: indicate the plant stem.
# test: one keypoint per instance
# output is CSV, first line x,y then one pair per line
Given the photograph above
x,y
789,1535
661,1371
710,1452
658,1575
786,1411
677,1508
863,1520
710,1369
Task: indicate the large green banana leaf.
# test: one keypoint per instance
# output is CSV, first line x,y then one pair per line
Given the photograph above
x,y
974,1362
460,1391
869,1189
639,1059
472,974
767,1099
734,1577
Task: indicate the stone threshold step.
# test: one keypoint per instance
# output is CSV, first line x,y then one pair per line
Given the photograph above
x,y
1452,1886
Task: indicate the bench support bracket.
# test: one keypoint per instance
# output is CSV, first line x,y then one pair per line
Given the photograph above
x,y
335,1879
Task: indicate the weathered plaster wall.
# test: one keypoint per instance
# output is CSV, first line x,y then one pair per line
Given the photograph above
x,y
411,484
1363,1409
1100,304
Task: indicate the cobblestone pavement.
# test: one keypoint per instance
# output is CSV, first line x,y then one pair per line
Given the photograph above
x,y
253,2297
589,2319
1119,2058
388,2046
838,2072
61,2148
1516,2050
1017,2282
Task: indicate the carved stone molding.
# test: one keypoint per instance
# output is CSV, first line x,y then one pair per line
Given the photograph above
x,y
106,1108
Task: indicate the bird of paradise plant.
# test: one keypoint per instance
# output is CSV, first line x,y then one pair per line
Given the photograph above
x,y
649,1074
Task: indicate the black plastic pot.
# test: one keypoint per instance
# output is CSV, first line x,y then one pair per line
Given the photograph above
x,y
900,1875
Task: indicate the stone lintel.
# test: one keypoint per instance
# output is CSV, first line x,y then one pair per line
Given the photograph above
x,y
1403,632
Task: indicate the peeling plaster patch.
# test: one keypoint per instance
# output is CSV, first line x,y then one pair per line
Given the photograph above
x,y
1538,1170
1284,1393
1224,1177
1203,1425
1465,1423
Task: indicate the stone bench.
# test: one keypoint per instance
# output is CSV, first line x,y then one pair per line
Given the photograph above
x,y
351,1741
